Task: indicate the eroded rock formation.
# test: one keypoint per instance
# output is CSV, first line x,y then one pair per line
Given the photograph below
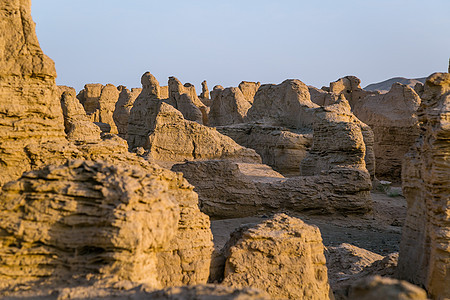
x,y
99,103
77,125
123,107
30,108
114,218
229,189
280,148
249,89
185,99
392,117
285,104
283,256
425,246
229,106
162,130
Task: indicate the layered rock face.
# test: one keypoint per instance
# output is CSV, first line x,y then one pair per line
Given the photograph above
x,y
209,291
77,125
338,141
123,107
349,87
185,99
99,103
229,106
278,147
162,130
56,219
230,189
392,117
283,256
425,246
285,104
89,97
174,139
136,224
30,108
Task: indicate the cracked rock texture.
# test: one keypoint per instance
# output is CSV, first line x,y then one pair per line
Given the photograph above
x,y
85,220
282,256
61,216
425,246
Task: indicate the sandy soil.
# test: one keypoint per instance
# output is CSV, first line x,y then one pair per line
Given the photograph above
x,y
378,231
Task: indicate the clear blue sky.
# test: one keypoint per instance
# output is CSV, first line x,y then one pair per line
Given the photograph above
x,y
225,42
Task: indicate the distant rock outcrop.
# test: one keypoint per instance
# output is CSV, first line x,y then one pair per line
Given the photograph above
x,y
282,256
99,103
285,104
162,130
123,107
392,117
77,125
425,246
280,148
385,86
229,106
185,99
112,217
249,89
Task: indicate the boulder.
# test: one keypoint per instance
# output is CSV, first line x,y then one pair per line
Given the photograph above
x,y
377,287
230,189
89,97
392,117
229,106
425,246
185,99
282,256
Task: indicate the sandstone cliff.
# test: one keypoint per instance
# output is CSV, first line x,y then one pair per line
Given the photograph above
x,y
162,130
30,107
425,246
229,106
392,117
